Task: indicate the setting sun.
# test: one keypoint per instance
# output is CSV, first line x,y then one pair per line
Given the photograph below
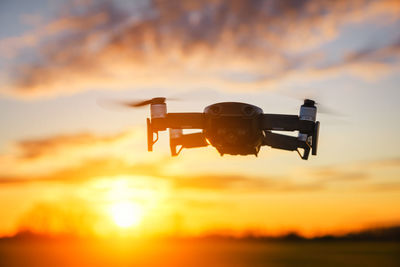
x,y
126,214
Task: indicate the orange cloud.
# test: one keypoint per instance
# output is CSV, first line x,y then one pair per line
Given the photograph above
x,y
36,148
45,155
85,156
321,179
217,42
113,167
87,170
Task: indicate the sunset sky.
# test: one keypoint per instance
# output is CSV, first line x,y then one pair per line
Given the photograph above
x,y
70,165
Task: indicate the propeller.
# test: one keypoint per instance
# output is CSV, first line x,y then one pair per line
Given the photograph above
x,y
323,108
313,96
141,103
132,104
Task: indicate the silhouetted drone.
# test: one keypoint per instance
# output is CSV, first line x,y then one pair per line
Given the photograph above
x,y
233,128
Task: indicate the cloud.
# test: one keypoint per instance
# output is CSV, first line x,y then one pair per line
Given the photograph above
x,y
372,165
383,187
369,63
113,167
215,182
379,175
48,154
385,163
209,43
80,157
330,174
37,148
87,170
242,183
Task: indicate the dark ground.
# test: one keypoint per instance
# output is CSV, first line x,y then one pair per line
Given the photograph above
x,y
47,252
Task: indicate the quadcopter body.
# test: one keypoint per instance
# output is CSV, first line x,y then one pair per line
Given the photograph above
x,y
234,128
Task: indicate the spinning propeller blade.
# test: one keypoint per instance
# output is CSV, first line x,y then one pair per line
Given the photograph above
x,y
134,103
324,109
315,97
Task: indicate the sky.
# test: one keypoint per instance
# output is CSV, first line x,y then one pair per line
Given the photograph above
x,y
71,165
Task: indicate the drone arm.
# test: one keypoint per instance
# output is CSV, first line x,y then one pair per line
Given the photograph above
x,y
280,122
186,141
185,120
285,142
281,141
173,121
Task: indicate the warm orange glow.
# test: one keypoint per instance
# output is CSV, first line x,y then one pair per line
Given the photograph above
x,y
126,214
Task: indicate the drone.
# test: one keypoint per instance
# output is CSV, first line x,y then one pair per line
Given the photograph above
x,y
233,128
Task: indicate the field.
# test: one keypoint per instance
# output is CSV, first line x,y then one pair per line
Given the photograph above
x,y
197,253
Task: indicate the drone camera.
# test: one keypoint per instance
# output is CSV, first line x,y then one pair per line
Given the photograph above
x,y
248,110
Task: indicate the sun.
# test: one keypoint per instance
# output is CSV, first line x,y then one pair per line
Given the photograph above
x,y
126,214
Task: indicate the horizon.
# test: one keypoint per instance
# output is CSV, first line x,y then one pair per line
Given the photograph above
x,y
388,233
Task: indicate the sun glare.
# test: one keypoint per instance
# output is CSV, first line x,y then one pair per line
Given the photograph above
x,y
126,214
